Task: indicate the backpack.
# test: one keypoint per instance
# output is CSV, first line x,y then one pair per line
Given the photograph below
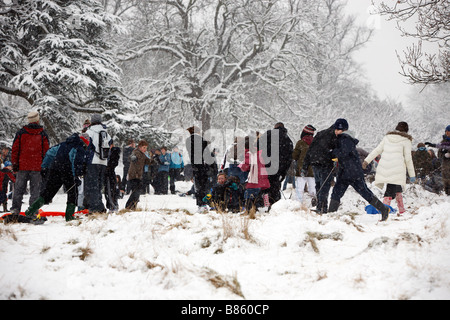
x,y
103,145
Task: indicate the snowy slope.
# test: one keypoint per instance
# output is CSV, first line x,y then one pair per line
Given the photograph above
x,y
168,251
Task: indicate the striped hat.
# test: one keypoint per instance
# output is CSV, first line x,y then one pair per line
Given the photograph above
x,y
309,129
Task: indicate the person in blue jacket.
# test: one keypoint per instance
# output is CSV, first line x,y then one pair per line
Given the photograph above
x,y
65,163
350,173
176,166
163,172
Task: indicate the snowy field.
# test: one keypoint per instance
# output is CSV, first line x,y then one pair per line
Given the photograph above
x,y
168,251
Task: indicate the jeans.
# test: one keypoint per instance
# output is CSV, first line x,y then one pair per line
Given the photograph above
x,y
20,187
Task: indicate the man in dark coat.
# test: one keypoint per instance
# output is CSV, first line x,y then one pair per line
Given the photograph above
x,y
350,173
277,161
197,148
319,156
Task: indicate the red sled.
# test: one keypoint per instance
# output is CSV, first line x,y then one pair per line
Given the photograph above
x,y
49,213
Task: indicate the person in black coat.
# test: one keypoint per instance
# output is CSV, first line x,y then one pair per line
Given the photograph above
x,y
277,165
197,148
319,156
350,173
65,167
111,179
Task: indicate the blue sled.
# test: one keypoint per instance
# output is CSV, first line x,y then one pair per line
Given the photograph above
x,y
371,210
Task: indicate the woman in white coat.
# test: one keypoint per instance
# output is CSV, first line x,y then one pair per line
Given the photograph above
x,y
396,160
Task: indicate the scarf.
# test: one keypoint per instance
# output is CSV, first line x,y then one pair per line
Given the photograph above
x,y
253,174
308,139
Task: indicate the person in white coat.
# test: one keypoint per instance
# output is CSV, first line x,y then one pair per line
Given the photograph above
x,y
396,160
97,160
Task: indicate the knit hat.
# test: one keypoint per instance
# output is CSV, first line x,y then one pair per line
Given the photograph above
x,y
96,118
341,124
7,164
402,127
85,138
33,116
309,129
448,128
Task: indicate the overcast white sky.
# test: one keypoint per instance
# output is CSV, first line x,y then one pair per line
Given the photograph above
x,y
379,57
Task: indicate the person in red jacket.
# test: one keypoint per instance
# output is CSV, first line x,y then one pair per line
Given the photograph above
x,y
29,148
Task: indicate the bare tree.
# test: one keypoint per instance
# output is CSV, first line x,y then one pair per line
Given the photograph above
x,y
432,25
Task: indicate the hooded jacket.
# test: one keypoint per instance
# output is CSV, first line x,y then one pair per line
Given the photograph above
x,y
69,156
29,148
396,159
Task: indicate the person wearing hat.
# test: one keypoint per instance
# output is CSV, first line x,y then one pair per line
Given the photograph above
x,y
396,160
320,157
423,163
298,155
28,150
350,173
444,156
65,162
97,161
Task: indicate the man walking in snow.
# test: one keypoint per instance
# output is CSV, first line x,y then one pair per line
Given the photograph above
x,y
319,156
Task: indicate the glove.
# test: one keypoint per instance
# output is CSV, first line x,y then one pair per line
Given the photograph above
x,y
234,186
364,165
429,144
412,179
207,198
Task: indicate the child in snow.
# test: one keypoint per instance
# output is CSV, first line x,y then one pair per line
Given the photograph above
x,y
396,160
65,166
299,153
350,173
6,175
138,160
227,194
257,181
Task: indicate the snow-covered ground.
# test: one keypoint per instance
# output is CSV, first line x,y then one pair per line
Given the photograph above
x,y
168,251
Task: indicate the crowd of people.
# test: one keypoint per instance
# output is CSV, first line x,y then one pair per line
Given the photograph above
x,y
250,174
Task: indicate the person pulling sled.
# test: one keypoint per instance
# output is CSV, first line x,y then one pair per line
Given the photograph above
x,y
66,162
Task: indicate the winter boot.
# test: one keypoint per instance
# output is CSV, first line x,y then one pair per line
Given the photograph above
x,y
334,205
33,209
381,207
400,205
70,210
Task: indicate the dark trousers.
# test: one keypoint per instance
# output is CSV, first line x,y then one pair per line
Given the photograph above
x,y
162,178
359,185
93,186
57,179
323,179
200,183
136,191
174,174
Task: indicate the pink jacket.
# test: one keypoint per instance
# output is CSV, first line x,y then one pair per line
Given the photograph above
x,y
263,180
